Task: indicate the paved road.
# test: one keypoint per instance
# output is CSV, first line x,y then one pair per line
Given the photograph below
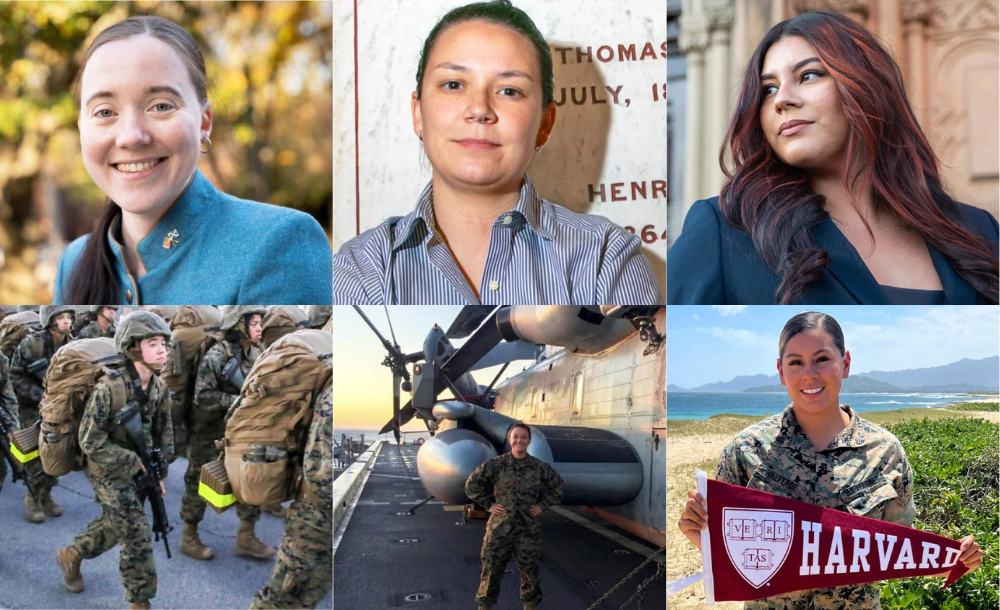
x,y
30,577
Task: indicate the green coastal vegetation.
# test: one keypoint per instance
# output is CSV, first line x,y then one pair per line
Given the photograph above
x,y
956,464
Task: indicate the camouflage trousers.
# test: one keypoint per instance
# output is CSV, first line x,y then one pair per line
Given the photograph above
x,y
125,525
201,450
852,597
502,539
39,484
303,574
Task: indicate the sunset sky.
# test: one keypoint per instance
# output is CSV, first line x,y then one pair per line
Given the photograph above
x,y
362,389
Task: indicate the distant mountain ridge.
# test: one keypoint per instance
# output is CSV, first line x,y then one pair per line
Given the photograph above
x,y
966,375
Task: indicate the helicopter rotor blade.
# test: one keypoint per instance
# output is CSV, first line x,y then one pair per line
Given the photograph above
x,y
468,320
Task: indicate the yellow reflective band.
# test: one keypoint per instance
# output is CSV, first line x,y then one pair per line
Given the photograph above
x,y
24,459
215,498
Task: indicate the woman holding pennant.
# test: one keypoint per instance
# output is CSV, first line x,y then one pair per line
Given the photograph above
x,y
820,452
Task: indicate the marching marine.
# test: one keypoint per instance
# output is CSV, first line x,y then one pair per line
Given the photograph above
x,y
102,322
8,403
27,370
220,378
303,574
516,488
113,461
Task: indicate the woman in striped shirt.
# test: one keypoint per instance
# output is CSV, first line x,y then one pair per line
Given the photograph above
x,y
480,232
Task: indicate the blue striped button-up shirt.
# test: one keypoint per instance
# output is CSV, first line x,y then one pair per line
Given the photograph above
x,y
540,253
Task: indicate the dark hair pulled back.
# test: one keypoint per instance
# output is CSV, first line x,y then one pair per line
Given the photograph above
x,y
94,280
500,12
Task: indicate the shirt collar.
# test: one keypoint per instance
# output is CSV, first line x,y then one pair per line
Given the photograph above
x,y
790,434
177,227
530,206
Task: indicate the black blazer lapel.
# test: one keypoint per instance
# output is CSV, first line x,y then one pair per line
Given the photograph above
x,y
846,267
956,290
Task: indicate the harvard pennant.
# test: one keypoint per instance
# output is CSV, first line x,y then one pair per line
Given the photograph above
x,y
758,545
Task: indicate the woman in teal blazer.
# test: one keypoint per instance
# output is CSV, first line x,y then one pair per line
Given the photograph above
x,y
834,194
166,235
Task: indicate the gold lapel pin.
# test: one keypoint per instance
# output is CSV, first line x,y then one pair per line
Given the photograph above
x,y
171,239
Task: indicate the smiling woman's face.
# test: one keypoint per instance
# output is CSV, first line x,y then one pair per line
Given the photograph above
x,y
141,123
812,370
800,113
480,114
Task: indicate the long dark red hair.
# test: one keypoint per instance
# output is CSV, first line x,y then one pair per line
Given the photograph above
x,y
886,152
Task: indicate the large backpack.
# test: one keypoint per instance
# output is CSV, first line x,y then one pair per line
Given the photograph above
x,y
267,428
16,327
72,374
188,343
281,320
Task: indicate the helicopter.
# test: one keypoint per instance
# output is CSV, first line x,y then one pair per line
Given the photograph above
x,y
594,397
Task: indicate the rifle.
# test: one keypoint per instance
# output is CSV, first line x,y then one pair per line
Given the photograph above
x,y
7,426
148,482
231,372
38,368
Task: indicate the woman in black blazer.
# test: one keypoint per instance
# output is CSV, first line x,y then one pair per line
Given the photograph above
x,y
834,196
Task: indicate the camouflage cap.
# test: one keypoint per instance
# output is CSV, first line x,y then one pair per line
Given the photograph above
x,y
318,315
137,326
232,314
97,308
49,313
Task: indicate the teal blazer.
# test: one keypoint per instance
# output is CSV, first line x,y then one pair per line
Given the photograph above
x,y
223,251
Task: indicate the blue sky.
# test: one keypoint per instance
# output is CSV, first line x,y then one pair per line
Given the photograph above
x,y
716,343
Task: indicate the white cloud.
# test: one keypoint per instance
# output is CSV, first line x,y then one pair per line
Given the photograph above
x,y
931,337
729,310
738,336
697,317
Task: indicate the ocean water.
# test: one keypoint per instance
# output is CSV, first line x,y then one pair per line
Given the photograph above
x,y
702,405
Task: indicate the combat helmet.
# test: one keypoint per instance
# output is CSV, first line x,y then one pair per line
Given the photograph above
x,y
137,326
234,314
97,308
49,313
318,315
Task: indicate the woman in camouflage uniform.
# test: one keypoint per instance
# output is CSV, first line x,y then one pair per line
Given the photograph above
x,y
214,392
516,487
819,451
27,370
102,322
8,402
112,462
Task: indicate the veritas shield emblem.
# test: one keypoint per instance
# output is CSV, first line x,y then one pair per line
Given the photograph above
x,y
758,541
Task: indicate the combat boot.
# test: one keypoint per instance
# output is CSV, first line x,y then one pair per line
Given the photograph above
x,y
32,510
144,605
69,560
192,546
49,505
247,543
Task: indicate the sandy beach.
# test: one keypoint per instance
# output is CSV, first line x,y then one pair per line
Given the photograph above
x,y
698,444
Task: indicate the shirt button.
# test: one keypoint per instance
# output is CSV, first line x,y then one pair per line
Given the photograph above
x,y
507,219
128,295
494,285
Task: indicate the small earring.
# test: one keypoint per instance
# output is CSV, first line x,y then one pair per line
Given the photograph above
x,y
209,140
538,148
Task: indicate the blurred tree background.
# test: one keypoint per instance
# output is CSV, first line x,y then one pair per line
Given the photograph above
x,y
270,85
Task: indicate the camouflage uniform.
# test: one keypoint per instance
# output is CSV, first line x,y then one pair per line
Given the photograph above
x,y
8,402
93,331
863,471
213,395
111,464
516,485
303,573
37,345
